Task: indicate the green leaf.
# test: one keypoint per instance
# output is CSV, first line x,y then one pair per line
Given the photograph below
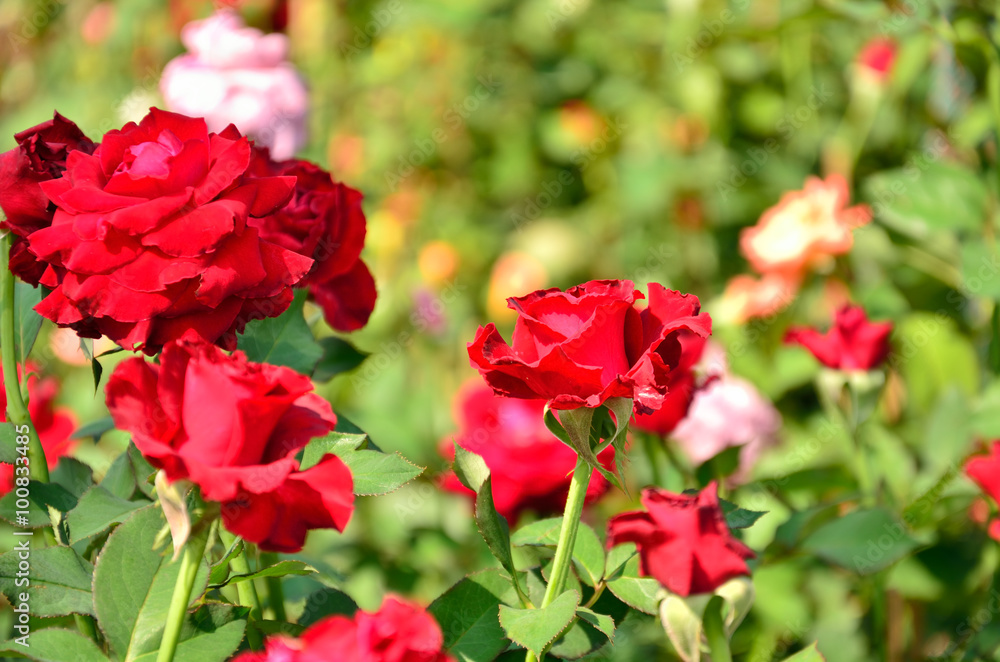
x,y
338,356
212,633
279,569
535,629
578,640
284,340
337,443
59,581
588,552
8,443
624,582
739,518
864,541
87,347
468,613
57,645
220,571
26,321
810,654
128,473
41,498
133,585
470,469
326,602
376,473
73,475
97,510
601,622
944,197
95,429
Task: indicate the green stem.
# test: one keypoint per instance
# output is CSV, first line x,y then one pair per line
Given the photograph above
x,y
194,550
246,589
715,631
649,443
275,593
567,537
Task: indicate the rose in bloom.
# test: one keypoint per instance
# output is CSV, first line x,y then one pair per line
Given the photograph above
x,y
323,221
852,343
984,470
805,228
233,428
683,540
580,347
40,155
151,237
728,412
54,426
680,389
399,631
235,74
530,467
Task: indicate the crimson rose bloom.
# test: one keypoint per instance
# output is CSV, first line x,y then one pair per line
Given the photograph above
x,y
323,221
683,540
399,631
985,471
233,428
580,347
680,389
151,237
40,155
54,426
853,343
530,467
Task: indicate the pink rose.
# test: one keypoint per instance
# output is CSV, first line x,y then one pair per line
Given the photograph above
x,y
235,74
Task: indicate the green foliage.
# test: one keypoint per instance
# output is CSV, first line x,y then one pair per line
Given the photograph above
x,y
469,615
58,581
283,340
535,629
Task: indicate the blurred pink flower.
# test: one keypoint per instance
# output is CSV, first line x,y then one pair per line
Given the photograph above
x,y
726,411
238,75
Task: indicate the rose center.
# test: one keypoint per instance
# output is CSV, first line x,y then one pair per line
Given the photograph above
x,y
151,159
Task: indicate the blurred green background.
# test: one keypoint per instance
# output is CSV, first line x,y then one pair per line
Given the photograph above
x,y
507,146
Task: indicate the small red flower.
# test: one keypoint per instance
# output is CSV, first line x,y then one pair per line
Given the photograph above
x,y
580,347
852,343
878,56
530,468
683,540
234,428
40,155
984,470
54,425
399,631
324,221
151,237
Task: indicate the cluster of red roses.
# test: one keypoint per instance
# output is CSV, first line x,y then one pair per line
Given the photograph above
x,y
165,228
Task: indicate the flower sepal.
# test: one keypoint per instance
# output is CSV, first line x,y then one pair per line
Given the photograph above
x,y
588,431
682,617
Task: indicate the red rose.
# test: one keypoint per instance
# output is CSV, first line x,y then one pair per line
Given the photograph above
x,y
151,237
580,347
530,467
233,428
683,540
40,155
853,343
984,470
54,426
680,389
323,221
399,631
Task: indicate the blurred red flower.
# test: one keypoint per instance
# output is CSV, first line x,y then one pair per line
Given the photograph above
x,y
580,347
399,631
54,426
878,56
324,221
683,540
984,470
530,468
151,237
852,343
234,428
680,388
40,155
